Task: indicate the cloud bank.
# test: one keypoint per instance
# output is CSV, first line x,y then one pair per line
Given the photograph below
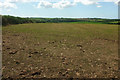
x,y
59,4
7,5
66,3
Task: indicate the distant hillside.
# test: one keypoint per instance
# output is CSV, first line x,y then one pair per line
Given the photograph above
x,y
7,20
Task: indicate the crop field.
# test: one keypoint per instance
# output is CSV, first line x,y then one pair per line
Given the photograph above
x,y
60,50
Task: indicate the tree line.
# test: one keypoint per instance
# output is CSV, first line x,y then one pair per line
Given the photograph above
x,y
7,20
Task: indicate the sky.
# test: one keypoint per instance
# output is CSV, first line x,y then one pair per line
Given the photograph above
x,y
61,8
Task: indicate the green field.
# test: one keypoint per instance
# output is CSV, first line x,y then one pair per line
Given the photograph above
x,y
60,50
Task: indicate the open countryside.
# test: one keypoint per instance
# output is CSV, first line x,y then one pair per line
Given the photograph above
x,y
60,50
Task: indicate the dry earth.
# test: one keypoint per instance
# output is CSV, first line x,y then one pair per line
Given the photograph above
x,y
26,56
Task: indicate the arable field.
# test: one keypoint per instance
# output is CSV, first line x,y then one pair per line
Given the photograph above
x,y
60,50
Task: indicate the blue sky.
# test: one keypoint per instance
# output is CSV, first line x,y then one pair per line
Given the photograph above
x,y
80,10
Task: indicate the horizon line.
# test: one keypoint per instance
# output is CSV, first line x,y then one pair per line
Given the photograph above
x,y
56,17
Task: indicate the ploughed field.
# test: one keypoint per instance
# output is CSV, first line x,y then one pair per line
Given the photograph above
x,y
60,50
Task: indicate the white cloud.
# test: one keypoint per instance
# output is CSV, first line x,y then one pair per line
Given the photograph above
x,y
7,5
99,6
58,4
66,3
21,0
44,4
85,2
88,2
63,4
